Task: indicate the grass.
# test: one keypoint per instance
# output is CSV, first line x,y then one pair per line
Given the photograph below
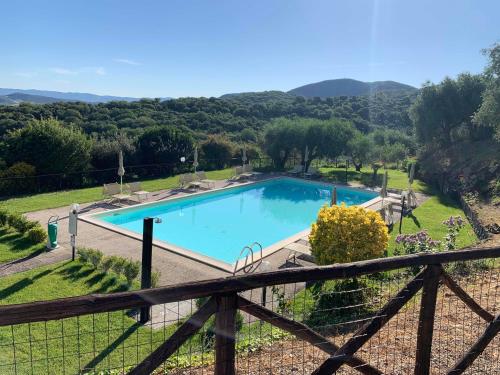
x,y
100,341
43,201
14,245
430,216
397,178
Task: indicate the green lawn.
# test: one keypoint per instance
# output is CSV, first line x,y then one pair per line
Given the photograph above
x,y
100,341
397,178
14,245
430,216
65,198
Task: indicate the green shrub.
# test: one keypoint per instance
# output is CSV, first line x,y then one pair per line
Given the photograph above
x,y
95,257
17,179
118,265
83,254
340,301
20,223
107,263
155,279
37,234
131,270
4,217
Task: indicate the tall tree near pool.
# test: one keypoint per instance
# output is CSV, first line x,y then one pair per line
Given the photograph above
x,y
164,145
488,115
443,113
323,138
48,146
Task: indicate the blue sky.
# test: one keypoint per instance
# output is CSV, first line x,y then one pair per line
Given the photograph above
x,y
159,48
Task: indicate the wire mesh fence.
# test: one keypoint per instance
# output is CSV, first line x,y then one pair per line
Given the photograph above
x,y
287,324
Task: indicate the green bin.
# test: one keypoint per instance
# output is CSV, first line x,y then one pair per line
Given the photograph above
x,y
52,231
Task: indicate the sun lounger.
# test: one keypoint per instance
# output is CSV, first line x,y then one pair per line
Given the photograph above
x,y
237,174
185,180
112,191
296,171
202,177
248,171
135,189
311,172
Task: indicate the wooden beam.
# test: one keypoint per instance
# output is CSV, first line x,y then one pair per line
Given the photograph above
x,y
225,335
426,320
302,332
491,331
98,303
178,338
468,300
368,330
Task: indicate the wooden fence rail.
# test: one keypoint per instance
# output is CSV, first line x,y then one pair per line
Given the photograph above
x,y
224,302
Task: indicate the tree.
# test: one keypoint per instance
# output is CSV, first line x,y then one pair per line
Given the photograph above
x,y
164,145
279,141
49,147
217,151
488,115
442,110
359,147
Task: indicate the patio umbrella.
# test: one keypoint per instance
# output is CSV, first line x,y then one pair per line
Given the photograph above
x,y
195,159
306,158
121,169
383,191
244,155
412,174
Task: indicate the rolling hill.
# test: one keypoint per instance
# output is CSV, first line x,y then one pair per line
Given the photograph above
x,y
67,96
18,97
348,87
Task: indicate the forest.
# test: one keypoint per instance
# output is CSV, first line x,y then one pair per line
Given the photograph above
x,y
437,120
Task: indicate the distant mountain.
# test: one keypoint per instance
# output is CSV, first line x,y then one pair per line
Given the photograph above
x,y
18,97
348,87
68,96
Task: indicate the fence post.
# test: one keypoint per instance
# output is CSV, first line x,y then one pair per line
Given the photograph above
x,y
426,320
225,332
147,253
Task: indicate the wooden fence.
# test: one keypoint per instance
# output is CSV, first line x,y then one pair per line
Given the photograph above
x,y
224,299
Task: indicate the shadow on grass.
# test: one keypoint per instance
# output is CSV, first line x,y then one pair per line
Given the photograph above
x,y
16,242
113,346
21,284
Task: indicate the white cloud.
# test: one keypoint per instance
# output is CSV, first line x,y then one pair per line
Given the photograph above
x,y
64,71
127,61
100,71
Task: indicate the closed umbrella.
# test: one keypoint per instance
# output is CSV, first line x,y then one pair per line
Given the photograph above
x,y
121,169
383,191
306,158
195,159
244,155
412,174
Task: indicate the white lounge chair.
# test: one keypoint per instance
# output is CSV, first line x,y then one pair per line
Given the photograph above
x,y
185,180
237,174
202,177
113,192
311,172
135,188
248,171
296,171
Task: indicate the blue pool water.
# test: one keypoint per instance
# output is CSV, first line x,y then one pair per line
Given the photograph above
x,y
219,224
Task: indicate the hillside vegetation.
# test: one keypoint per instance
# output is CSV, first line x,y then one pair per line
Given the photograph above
x,y
349,87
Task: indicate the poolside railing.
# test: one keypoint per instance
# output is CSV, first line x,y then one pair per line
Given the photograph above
x,y
419,313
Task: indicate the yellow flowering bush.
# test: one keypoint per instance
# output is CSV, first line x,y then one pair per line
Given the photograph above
x,y
347,234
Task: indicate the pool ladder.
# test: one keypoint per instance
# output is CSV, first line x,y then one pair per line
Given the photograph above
x,y
248,252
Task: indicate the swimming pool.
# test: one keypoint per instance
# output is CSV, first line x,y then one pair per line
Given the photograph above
x,y
215,226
